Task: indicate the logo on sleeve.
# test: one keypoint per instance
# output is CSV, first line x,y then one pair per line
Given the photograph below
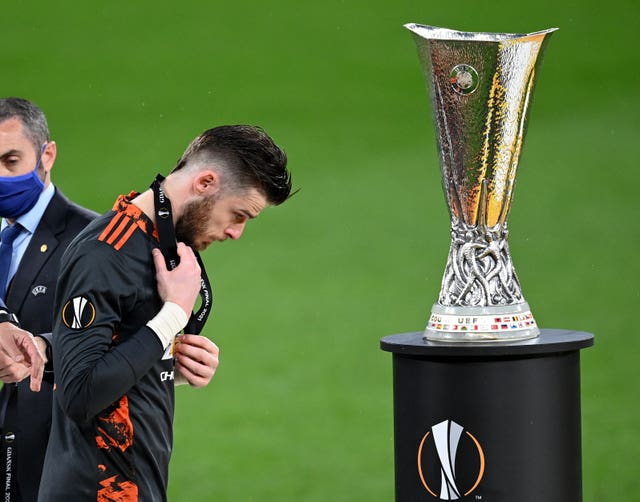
x,y
78,313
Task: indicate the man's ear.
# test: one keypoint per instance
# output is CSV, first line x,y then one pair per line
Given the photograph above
x,y
206,183
49,156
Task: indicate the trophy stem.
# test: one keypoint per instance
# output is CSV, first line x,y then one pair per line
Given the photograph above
x,y
479,271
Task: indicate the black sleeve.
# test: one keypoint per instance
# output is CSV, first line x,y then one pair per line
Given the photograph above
x,y
95,291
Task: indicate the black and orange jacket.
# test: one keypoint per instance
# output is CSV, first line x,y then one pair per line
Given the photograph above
x,y
111,436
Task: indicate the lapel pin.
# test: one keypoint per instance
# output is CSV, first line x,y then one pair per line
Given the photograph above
x,y
43,248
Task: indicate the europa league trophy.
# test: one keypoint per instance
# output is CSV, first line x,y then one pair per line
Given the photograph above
x,y
480,86
495,422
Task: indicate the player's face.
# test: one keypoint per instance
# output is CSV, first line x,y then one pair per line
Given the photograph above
x,y
213,218
17,155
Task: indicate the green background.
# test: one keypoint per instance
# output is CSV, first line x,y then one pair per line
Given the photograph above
x,y
301,407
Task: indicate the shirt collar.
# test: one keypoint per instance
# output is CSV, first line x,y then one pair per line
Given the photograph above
x,y
123,204
31,218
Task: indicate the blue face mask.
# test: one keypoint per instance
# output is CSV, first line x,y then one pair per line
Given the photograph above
x,y
18,194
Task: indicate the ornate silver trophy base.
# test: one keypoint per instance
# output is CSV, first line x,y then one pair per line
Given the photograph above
x,y
480,298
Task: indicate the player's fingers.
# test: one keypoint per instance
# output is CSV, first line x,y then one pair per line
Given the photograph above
x,y
195,379
199,341
194,365
198,360
158,260
187,256
185,251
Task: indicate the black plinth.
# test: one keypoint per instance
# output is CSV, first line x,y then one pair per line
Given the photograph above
x,y
506,417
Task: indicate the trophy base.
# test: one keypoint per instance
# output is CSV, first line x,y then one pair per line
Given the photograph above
x,y
481,324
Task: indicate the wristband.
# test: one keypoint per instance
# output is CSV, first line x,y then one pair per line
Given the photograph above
x,y
168,323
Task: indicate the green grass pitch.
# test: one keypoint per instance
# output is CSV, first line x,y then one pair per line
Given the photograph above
x,y
301,408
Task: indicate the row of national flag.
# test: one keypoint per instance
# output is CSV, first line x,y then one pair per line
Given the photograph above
x,y
513,322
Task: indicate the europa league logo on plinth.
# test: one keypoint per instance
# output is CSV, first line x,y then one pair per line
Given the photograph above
x,y
480,86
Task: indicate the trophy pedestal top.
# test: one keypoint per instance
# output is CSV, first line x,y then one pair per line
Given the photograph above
x,y
549,341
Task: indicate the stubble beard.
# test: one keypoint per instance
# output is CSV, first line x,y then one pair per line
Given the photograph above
x,y
192,223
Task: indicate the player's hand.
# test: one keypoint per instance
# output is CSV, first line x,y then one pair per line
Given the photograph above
x,y
197,359
20,356
182,284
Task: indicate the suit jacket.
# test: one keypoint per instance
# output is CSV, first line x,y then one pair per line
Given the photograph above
x,y
27,419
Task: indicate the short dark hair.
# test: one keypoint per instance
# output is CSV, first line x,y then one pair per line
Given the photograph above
x,y
33,119
248,157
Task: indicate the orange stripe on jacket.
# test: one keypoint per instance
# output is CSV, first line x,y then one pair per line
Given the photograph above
x,y
109,227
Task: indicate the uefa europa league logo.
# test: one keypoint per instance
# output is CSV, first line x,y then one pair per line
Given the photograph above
x,y
480,86
448,439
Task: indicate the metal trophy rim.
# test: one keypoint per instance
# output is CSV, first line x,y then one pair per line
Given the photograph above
x,y
438,33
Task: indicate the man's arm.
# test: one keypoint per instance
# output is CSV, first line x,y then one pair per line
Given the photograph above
x,y
91,372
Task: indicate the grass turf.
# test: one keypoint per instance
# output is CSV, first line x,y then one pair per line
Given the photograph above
x,y
301,407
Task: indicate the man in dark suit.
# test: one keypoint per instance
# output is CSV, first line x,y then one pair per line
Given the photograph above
x,y
46,222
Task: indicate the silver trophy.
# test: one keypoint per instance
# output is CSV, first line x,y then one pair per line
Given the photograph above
x,y
480,86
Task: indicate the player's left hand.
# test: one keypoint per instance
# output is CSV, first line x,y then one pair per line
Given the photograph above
x,y
196,359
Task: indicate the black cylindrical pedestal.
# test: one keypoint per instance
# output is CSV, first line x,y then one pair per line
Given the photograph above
x,y
490,422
